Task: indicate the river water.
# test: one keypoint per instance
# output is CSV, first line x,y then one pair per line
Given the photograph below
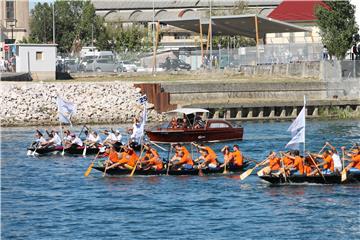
x,y
49,198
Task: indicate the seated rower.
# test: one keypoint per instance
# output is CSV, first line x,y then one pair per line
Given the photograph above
x,y
273,164
207,148
354,164
110,138
297,167
92,139
113,156
238,157
228,156
75,142
128,160
67,137
206,159
153,160
336,158
327,163
40,140
54,139
182,158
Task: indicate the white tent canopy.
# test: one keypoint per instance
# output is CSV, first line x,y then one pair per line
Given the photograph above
x,y
188,111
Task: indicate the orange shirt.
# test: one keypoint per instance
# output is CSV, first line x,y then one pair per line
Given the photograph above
x,y
229,157
356,160
287,161
299,165
329,163
114,157
211,152
238,158
129,158
274,163
157,162
186,158
307,170
210,159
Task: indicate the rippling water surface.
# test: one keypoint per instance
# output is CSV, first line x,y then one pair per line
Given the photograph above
x,y
49,198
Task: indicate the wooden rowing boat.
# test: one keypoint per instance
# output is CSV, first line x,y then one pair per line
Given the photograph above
x,y
174,172
352,177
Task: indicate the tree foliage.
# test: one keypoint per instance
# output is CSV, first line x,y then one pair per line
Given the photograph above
x,y
337,26
75,22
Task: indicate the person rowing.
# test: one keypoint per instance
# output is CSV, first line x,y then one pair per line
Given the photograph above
x,y
75,142
182,158
238,160
54,139
336,158
228,156
207,148
67,137
297,167
273,164
354,165
40,141
110,138
92,139
327,164
206,159
152,159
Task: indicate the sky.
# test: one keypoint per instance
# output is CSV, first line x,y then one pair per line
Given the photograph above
x,y
354,2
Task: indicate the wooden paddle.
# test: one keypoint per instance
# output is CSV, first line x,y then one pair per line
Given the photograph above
x,y
137,161
249,171
84,152
91,165
343,172
34,152
158,146
312,159
225,170
168,164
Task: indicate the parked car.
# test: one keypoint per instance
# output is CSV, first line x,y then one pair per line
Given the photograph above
x,y
130,67
175,64
71,66
103,65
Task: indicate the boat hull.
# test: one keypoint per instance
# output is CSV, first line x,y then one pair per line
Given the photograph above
x,y
173,172
328,179
195,135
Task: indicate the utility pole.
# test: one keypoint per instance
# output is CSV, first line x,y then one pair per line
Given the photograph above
x,y
153,34
53,15
92,46
210,22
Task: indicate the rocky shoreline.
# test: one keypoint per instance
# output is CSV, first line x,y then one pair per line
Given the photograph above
x,y
34,104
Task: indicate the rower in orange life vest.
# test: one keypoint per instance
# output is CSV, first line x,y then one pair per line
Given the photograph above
x,y
182,158
274,163
297,167
208,157
238,157
127,160
327,163
208,149
228,156
354,165
152,159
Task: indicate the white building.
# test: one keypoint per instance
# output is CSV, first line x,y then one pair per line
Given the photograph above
x,y
37,59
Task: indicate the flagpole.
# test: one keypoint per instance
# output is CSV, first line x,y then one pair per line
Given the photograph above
x,y
304,122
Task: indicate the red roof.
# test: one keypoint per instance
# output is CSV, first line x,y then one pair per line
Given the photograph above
x,y
292,10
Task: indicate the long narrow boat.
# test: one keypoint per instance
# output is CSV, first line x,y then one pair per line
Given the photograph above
x,y
352,177
206,171
55,150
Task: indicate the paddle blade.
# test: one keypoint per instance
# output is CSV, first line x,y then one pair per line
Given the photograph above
x,y
246,174
343,175
84,152
263,171
89,170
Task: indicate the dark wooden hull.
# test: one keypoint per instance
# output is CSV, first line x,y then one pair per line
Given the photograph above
x,y
72,150
329,179
192,172
195,135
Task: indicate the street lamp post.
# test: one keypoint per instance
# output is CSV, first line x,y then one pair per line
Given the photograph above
x,y
12,30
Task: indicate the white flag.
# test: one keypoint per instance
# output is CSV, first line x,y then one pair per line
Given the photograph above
x,y
298,123
66,109
298,138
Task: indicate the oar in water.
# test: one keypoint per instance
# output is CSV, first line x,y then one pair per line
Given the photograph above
x,y
91,165
249,171
225,170
343,172
34,152
158,146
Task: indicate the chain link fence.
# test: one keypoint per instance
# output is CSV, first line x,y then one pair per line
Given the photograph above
x,y
186,59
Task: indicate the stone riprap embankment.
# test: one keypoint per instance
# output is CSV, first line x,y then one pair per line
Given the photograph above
x,y
24,104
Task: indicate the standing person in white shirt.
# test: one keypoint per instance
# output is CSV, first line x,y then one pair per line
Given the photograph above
x,y
336,158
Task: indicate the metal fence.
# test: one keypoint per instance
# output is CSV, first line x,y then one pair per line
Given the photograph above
x,y
190,59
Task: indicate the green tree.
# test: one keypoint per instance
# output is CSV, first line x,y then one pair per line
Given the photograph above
x,y
337,26
75,23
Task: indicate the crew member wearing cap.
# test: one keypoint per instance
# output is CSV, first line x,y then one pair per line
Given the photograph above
x,y
110,138
75,141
